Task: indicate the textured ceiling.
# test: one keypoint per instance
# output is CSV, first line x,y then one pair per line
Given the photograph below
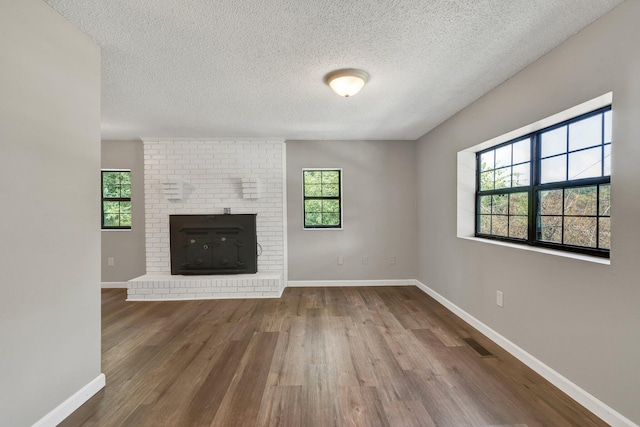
x,y
234,68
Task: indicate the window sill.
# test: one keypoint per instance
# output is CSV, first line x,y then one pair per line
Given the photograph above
x,y
115,229
322,229
581,257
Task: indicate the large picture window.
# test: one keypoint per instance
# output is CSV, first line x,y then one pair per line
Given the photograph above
x,y
550,188
116,199
322,198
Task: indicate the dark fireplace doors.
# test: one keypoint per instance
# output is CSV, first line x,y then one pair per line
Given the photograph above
x,y
213,244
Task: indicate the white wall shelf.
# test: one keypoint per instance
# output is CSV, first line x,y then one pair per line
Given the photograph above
x,y
173,190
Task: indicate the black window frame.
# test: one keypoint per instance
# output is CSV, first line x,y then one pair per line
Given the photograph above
x,y
535,187
306,198
120,199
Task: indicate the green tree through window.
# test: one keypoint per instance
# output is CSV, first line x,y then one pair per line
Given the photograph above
x,y
322,198
116,199
550,188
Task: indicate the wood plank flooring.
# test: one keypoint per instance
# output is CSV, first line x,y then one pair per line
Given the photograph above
x,y
384,356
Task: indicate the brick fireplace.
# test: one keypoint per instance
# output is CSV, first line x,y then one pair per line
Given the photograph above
x,y
209,177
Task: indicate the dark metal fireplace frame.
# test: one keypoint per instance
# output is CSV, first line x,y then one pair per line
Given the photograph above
x,y
213,244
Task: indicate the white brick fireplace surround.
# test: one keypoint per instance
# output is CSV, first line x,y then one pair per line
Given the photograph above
x,y
205,177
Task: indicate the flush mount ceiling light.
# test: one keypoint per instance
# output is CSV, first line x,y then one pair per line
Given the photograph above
x,y
347,82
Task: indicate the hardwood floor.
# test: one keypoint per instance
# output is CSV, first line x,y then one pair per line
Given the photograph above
x,y
387,356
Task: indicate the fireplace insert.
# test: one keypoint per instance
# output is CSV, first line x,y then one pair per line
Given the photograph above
x,y
213,244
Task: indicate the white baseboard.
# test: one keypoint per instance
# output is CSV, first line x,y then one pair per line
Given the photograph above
x,y
346,283
67,407
120,285
597,407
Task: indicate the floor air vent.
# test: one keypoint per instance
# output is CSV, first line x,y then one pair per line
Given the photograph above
x,y
482,352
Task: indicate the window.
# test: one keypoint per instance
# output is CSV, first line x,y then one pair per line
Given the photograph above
x,y
550,188
322,199
116,199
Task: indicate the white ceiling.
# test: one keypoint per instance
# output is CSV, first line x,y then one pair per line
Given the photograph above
x,y
255,68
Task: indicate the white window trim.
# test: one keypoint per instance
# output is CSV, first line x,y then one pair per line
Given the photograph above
x,y
466,175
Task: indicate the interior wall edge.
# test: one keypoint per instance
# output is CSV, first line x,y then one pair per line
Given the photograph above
x,y
66,408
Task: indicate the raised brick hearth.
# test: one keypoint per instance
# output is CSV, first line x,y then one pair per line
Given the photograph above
x,y
168,287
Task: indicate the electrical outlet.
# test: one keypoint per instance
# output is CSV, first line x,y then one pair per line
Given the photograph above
x,y
340,260
392,260
499,298
365,260
110,261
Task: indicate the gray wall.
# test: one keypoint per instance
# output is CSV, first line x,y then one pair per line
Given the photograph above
x,y
379,202
50,244
580,318
127,248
